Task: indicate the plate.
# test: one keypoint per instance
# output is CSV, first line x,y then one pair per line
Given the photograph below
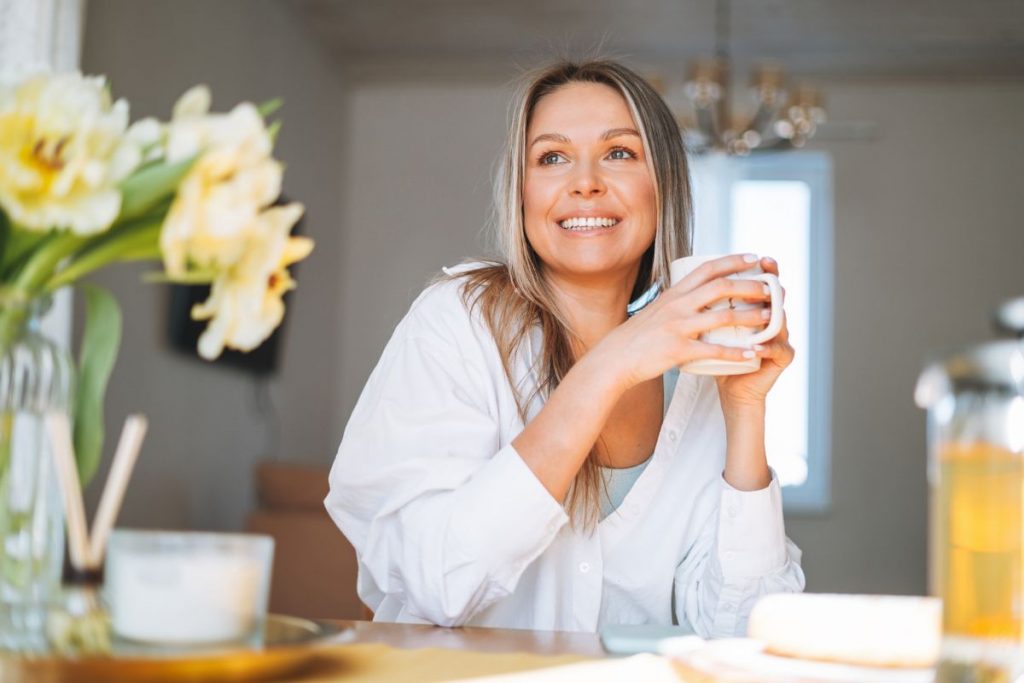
x,y
744,659
289,643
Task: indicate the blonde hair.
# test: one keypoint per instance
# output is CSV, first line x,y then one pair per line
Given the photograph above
x,y
511,292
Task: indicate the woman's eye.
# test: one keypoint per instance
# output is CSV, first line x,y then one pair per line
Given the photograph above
x,y
621,153
549,158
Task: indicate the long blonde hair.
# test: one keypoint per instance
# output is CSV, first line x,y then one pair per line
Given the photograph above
x,y
511,291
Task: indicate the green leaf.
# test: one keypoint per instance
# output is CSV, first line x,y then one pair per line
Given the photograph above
x,y
5,233
273,130
100,342
145,188
19,245
269,107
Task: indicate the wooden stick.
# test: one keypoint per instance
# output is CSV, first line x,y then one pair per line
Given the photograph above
x,y
127,453
71,490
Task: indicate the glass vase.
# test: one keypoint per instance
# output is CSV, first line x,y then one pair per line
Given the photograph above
x,y
36,378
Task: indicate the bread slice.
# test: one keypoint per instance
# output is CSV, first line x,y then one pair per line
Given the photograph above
x,y
868,630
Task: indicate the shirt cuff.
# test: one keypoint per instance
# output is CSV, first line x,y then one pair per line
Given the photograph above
x,y
509,515
751,532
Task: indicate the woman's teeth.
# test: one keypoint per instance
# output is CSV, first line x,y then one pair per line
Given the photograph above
x,y
581,224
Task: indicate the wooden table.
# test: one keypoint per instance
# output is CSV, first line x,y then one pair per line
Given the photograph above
x,y
405,652
365,652
409,636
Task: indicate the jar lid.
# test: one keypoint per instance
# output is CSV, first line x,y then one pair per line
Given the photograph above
x,y
1009,317
995,367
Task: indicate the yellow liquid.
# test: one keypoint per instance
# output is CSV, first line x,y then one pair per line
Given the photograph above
x,y
979,554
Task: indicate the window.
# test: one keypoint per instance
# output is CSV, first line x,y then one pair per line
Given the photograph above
x,y
780,205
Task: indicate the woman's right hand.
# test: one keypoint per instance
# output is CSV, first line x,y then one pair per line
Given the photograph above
x,y
667,332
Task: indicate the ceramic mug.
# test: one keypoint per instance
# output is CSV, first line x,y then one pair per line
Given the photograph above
x,y
737,336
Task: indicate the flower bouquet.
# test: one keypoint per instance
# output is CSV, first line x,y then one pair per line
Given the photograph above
x,y
81,189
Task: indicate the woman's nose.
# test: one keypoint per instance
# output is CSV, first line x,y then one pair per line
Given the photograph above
x,y
587,181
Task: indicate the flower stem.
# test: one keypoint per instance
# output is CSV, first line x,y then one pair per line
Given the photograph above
x,y
139,243
40,266
28,280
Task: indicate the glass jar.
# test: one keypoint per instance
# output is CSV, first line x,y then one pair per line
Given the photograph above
x,y
975,403
36,378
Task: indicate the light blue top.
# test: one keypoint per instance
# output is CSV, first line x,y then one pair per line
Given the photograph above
x,y
618,481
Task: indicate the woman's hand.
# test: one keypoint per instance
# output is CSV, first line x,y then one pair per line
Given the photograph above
x,y
737,391
667,332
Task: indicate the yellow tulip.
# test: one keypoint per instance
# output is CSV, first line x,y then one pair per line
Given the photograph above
x,y
63,151
220,199
245,303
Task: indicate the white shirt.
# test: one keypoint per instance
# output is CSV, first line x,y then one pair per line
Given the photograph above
x,y
451,527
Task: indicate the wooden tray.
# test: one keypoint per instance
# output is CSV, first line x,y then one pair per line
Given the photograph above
x,y
289,644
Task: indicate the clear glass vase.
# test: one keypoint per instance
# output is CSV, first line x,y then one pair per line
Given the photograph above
x,y
36,378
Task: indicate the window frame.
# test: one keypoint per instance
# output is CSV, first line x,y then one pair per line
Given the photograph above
x,y
718,174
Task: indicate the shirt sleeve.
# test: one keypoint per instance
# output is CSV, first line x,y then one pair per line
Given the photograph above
x,y
741,554
444,520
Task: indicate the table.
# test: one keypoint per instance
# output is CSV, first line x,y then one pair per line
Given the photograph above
x,y
365,652
411,652
410,636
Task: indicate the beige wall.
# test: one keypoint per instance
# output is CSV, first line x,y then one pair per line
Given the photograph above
x,y
928,238
207,429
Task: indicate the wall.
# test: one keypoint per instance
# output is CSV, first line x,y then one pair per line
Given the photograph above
x,y
928,240
396,177
210,424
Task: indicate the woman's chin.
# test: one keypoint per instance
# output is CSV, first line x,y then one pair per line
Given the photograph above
x,y
592,267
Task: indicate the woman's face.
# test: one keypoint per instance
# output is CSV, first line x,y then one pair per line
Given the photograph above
x,y
588,197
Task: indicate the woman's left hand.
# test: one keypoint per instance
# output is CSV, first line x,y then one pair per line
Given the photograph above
x,y
776,354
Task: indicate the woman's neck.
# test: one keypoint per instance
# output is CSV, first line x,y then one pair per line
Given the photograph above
x,y
593,307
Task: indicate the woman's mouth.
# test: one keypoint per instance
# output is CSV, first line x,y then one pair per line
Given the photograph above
x,y
588,223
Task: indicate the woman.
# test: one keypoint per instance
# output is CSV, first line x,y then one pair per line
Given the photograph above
x,y
520,457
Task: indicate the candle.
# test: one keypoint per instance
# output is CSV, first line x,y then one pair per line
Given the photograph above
x,y
187,587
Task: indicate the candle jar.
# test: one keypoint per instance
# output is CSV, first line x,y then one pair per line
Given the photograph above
x,y
975,402
181,588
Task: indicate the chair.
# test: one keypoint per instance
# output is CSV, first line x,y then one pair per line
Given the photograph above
x,y
314,573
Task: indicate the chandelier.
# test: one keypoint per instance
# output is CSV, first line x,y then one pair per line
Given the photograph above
x,y
783,118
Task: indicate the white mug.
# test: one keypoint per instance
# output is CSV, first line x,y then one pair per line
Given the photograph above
x,y
737,336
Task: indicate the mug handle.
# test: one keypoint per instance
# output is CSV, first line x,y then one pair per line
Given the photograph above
x,y
775,322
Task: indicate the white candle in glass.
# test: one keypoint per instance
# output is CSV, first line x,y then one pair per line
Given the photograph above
x,y
171,587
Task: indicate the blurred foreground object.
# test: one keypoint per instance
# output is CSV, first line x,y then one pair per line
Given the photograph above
x,y
975,403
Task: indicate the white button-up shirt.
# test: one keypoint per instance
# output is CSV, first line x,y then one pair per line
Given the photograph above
x,y
451,527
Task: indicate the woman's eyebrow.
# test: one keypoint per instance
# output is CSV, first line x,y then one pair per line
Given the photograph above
x,y
552,137
616,132
608,135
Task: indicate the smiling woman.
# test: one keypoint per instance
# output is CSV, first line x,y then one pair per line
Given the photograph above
x,y
524,455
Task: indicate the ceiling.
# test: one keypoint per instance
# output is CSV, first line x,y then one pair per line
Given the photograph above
x,y
833,39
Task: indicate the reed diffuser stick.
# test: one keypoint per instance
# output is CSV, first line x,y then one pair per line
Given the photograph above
x,y
71,490
132,434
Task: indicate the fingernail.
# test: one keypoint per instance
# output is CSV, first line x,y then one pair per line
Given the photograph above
x,y
767,289
749,354
759,347
765,313
750,258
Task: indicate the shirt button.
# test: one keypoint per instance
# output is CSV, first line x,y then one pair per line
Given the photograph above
x,y
672,435
729,607
552,526
584,567
732,512
730,555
